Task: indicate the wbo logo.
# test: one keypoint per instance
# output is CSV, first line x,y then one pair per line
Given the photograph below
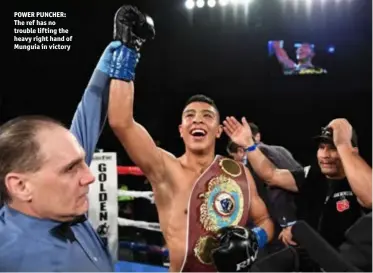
x,y
224,204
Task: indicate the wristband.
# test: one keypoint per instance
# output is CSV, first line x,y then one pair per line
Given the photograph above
x,y
284,222
291,223
261,236
251,148
123,64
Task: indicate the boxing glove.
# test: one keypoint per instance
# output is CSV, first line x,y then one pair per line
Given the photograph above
x,y
238,249
132,27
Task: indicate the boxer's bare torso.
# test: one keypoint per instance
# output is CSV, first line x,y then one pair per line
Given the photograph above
x,y
171,198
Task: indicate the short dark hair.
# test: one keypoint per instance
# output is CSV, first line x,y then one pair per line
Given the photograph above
x,y
19,148
232,147
308,44
254,128
201,98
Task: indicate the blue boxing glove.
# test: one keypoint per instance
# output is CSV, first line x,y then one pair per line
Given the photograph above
x,y
106,57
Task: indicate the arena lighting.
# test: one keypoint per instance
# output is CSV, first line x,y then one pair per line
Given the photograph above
x,y
240,2
223,2
296,45
189,4
211,3
331,49
200,3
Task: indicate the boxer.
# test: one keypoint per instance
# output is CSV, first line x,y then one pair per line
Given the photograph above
x,y
203,200
304,54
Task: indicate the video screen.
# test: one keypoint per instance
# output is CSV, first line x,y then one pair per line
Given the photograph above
x,y
296,58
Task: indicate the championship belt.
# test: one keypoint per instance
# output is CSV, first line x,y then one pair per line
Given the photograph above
x,y
219,198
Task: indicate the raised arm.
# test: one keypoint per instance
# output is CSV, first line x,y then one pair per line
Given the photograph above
x,y
90,116
358,172
241,135
135,139
282,56
282,178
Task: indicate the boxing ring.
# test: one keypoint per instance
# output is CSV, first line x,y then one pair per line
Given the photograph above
x,y
105,193
152,226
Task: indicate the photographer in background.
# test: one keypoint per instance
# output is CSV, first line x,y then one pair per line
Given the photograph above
x,y
332,195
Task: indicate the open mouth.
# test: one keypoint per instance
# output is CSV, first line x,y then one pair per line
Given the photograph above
x,y
198,133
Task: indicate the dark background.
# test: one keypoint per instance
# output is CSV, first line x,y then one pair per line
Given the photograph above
x,y
215,53
223,57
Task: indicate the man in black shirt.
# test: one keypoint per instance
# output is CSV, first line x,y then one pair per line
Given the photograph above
x,y
332,194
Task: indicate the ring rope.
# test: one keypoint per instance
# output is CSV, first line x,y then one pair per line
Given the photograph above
x,y
137,194
139,224
136,171
129,170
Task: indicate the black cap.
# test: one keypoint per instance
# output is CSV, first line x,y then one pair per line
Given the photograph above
x,y
326,136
